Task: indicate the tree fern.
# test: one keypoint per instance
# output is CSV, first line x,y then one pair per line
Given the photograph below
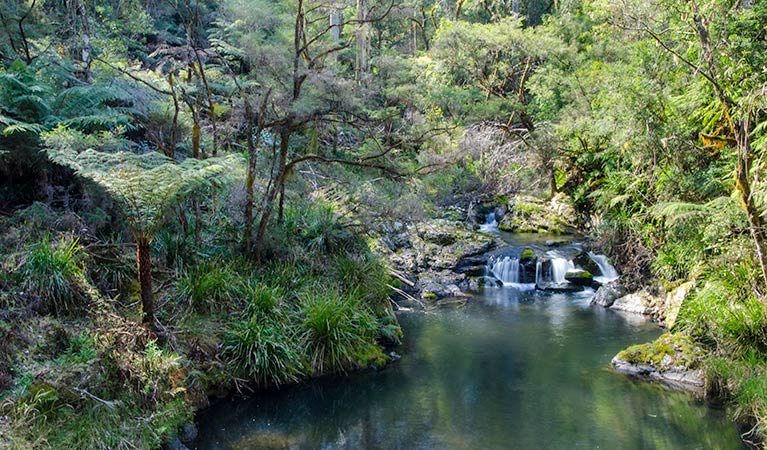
x,y
144,185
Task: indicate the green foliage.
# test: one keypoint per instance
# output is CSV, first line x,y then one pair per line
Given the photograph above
x,y
211,287
265,350
337,331
54,273
144,185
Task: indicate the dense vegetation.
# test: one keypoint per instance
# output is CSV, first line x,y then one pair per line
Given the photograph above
x,y
190,192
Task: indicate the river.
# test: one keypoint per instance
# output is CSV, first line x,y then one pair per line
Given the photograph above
x,y
511,369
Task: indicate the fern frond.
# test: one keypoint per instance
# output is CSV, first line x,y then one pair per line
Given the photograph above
x,y
145,185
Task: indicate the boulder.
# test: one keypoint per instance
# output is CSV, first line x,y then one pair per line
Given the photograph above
x,y
583,261
637,303
527,214
488,281
608,293
188,433
674,300
673,359
579,277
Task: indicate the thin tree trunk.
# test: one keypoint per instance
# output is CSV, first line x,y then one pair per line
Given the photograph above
x,y
86,36
144,258
362,50
272,194
553,182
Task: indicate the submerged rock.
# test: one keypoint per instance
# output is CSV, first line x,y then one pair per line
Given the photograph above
x,y
559,287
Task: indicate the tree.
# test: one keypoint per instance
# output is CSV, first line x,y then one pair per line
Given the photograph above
x,y
145,186
727,78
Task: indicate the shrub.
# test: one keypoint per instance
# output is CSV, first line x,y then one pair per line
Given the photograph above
x,y
264,350
54,273
337,331
211,287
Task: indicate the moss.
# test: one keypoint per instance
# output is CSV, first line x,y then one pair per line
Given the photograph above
x,y
430,296
680,348
527,253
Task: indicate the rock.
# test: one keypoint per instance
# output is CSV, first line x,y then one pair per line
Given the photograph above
x,y
527,254
500,212
452,302
579,277
472,271
676,377
489,281
528,214
175,444
188,433
528,266
637,303
674,300
583,261
608,293
558,287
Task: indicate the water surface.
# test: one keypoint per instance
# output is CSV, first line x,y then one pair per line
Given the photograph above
x,y
511,370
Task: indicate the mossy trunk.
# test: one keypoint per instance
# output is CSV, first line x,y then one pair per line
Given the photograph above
x,y
144,258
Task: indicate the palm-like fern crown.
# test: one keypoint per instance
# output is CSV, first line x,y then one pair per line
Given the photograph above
x,y
144,185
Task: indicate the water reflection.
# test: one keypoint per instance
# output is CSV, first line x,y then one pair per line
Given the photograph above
x,y
514,370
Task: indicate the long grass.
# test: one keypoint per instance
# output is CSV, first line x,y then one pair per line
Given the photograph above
x,y
264,350
54,272
337,331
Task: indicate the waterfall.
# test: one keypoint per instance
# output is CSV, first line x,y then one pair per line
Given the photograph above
x,y
608,271
506,270
538,266
490,224
559,267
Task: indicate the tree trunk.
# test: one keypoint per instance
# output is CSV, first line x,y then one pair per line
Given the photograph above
x,y
553,181
743,185
362,50
144,258
272,193
86,36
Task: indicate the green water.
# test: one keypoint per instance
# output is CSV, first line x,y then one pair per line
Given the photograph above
x,y
511,370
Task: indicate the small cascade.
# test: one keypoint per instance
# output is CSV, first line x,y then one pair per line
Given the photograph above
x,y
559,267
490,225
608,271
538,270
506,270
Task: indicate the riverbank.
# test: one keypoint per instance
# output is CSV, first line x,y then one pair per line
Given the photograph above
x,y
79,369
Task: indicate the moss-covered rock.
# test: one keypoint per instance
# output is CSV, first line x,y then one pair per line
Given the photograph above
x,y
527,253
527,214
673,359
579,277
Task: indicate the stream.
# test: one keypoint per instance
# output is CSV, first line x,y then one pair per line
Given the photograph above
x,y
514,368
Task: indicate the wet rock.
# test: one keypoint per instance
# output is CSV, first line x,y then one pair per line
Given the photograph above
x,y
608,293
583,261
500,212
175,444
559,287
675,377
488,281
188,433
579,277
